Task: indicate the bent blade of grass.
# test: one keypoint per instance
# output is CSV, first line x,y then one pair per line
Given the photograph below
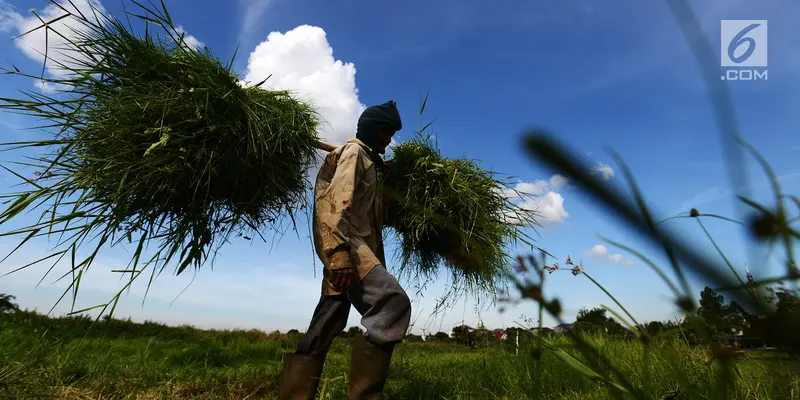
x,y
582,368
546,149
647,261
785,231
716,216
598,362
650,223
611,296
623,320
721,253
719,93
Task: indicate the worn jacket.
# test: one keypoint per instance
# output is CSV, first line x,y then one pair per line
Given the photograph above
x,y
347,210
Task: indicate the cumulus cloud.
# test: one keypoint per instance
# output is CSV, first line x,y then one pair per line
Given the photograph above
x,y
558,181
190,40
536,188
40,42
302,61
541,197
603,170
8,17
600,252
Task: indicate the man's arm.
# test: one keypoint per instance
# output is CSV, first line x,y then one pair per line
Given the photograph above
x,y
334,210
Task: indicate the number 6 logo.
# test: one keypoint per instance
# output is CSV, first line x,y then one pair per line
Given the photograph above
x,y
739,40
744,43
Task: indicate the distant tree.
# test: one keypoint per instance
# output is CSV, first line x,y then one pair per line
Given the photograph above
x,y
696,330
654,327
595,316
596,320
547,331
465,335
735,317
712,309
353,331
412,338
441,336
7,304
783,326
722,319
293,332
525,335
661,329
658,328
483,336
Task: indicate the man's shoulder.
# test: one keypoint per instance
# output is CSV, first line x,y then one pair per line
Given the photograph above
x,y
356,150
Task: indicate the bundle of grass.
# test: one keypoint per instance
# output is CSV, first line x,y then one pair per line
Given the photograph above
x,y
452,212
158,141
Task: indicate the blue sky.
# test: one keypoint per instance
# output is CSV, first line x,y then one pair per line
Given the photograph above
x,y
600,74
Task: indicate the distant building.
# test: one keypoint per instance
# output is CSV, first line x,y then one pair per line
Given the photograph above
x,y
500,334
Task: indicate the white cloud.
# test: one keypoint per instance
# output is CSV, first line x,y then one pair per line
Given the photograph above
x,y
550,208
603,170
600,252
190,40
536,188
301,60
8,17
558,181
35,44
540,197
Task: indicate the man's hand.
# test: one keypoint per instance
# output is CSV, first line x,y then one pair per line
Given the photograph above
x,y
342,271
341,279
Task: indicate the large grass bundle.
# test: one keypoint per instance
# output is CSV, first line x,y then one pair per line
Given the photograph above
x,y
452,212
157,141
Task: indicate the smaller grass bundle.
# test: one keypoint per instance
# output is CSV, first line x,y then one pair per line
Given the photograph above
x,y
451,212
159,141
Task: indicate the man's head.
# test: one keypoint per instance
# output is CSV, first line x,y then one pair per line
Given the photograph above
x,y
378,124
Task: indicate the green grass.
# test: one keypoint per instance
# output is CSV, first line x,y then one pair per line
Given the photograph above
x,y
452,212
125,360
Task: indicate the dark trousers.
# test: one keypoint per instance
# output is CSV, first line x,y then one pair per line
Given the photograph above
x,y
384,307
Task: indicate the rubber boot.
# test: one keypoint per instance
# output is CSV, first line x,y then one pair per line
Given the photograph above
x,y
300,376
369,369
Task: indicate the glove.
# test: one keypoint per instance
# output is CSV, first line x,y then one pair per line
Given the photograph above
x,y
341,270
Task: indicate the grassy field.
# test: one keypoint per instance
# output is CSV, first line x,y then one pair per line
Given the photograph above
x,y
40,356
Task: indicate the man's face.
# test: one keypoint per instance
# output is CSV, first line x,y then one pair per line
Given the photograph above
x,y
384,139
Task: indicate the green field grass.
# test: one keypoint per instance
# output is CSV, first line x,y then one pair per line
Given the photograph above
x,y
40,356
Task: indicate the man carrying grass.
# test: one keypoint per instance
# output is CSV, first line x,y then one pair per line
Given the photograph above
x,y
348,241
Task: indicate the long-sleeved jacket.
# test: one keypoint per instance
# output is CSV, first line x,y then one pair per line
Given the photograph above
x,y
348,210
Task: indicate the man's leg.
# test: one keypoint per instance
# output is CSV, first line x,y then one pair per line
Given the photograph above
x,y
329,320
302,369
386,313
